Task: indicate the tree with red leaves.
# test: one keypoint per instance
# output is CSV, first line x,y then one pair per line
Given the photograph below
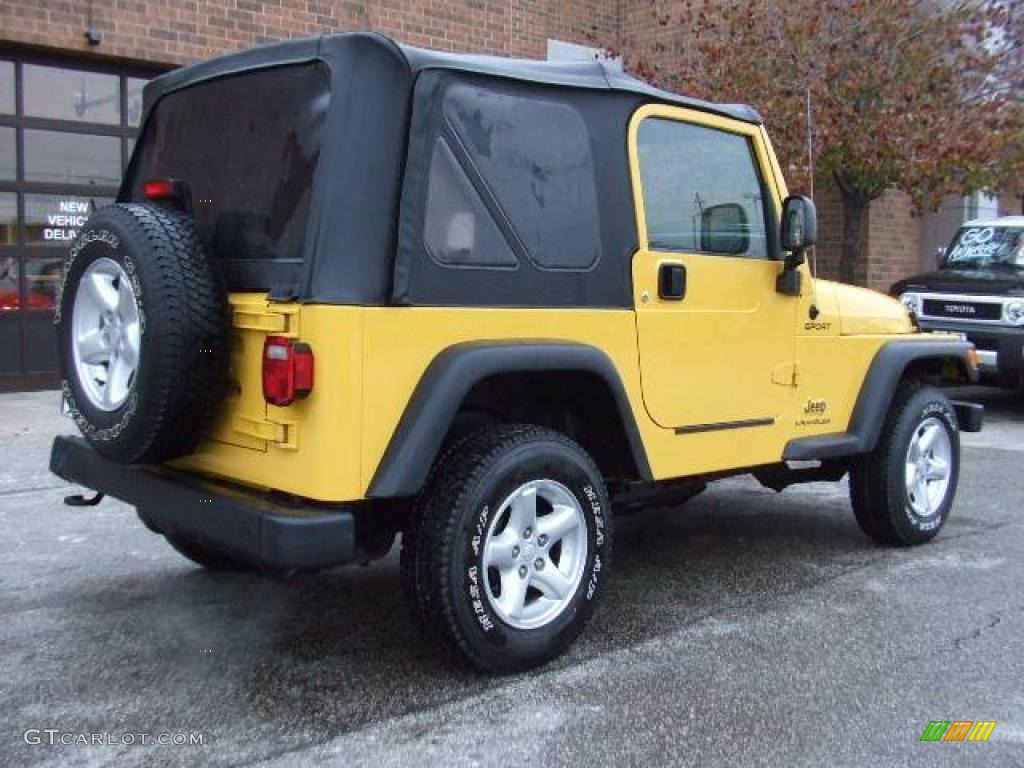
x,y
921,95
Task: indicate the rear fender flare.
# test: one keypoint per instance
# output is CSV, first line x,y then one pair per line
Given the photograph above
x,y
435,402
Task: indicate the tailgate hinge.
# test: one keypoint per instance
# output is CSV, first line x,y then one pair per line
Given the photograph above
x,y
278,319
283,434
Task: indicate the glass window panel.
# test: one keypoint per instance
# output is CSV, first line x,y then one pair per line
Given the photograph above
x,y
70,94
8,264
8,218
7,87
457,229
42,282
8,156
550,200
56,157
9,299
702,193
260,210
135,85
56,219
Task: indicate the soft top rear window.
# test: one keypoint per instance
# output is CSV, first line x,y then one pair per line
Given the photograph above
x,y
248,147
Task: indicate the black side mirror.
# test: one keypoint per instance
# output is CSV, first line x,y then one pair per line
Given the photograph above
x,y
799,232
940,257
799,227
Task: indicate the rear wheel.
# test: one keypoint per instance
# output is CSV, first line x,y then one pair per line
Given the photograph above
x,y
509,549
902,491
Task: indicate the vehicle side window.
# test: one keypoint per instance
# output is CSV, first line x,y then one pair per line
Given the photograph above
x,y
457,229
533,155
701,189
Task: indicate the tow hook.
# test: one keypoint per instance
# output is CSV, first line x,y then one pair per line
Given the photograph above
x,y
78,500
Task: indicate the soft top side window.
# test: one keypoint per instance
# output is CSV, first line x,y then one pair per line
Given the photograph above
x,y
701,189
531,158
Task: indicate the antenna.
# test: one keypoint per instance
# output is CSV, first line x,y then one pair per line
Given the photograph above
x,y
810,174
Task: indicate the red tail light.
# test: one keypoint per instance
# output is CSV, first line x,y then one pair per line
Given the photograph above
x,y
287,370
168,190
160,189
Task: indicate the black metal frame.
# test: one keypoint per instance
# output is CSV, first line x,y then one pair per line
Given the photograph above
x,y
24,317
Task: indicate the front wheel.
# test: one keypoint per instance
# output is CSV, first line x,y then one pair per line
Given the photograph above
x,y
509,547
902,491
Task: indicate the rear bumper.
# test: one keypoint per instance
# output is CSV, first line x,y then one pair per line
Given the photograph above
x,y
1000,348
234,520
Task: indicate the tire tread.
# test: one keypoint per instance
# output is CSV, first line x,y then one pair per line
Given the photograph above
x,y
428,552
187,299
871,474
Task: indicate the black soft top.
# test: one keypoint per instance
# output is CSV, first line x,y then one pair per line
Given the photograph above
x,y
441,179
574,74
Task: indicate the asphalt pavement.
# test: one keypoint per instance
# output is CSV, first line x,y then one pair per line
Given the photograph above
x,y
745,628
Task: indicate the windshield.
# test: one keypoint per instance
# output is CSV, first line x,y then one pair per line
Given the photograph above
x,y
987,246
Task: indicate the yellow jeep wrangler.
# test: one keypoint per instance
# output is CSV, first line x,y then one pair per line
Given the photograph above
x,y
352,289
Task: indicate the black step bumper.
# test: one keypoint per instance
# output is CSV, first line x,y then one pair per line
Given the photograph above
x,y
970,417
237,521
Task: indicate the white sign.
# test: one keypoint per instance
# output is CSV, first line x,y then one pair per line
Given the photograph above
x,y
67,221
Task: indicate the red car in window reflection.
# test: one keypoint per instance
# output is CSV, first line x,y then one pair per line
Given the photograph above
x,y
33,300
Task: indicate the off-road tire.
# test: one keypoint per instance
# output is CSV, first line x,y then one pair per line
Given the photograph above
x,y
182,371
878,486
207,556
442,545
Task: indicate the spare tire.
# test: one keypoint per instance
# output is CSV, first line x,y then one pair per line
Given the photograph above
x,y
143,333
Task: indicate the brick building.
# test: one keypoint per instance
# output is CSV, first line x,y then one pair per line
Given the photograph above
x,y
71,74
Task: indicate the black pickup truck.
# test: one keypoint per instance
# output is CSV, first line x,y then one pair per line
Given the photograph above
x,y
978,290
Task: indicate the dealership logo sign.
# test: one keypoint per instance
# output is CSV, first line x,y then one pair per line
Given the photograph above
x,y
65,223
958,730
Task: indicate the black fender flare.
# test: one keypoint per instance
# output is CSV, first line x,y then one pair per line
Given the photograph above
x,y
451,375
876,393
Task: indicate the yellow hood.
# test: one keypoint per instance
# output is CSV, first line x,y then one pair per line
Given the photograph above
x,y
862,311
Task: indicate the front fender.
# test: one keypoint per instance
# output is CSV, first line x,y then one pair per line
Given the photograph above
x,y
875,397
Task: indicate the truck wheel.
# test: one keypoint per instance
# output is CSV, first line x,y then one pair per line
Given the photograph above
x,y
143,333
510,547
206,556
903,490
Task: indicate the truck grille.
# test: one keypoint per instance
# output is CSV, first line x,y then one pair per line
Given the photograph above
x,y
962,309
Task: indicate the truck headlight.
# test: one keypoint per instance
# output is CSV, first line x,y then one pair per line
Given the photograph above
x,y
1013,312
912,301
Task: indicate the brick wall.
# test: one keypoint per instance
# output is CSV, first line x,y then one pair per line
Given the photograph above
x,y
890,238
181,31
590,22
893,240
830,229
1011,202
